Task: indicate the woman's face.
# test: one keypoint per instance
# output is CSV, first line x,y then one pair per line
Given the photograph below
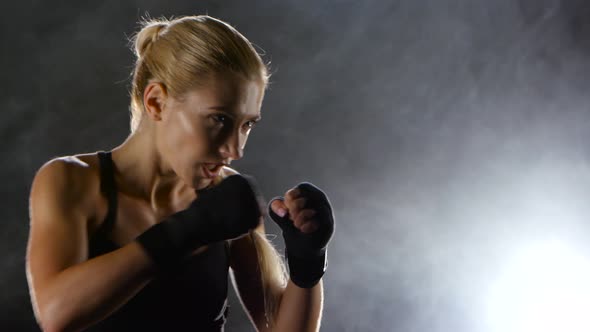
x,y
208,127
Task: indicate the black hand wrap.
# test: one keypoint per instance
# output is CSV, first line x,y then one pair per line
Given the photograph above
x,y
226,211
307,252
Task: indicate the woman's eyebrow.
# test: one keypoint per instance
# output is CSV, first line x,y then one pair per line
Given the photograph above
x,y
218,108
223,109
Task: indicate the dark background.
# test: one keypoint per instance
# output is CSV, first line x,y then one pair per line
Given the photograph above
x,y
450,135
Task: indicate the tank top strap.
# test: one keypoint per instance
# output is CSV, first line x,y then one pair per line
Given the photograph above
x,y
108,188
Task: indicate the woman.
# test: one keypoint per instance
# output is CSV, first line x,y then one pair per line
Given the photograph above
x,y
143,237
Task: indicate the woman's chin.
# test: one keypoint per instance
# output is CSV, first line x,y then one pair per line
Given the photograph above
x,y
201,183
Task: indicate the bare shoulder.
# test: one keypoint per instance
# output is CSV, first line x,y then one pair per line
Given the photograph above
x,y
69,173
68,182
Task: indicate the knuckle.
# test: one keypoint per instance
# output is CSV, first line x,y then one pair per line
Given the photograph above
x,y
301,202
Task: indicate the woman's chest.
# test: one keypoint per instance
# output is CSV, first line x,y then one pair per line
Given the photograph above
x,y
125,220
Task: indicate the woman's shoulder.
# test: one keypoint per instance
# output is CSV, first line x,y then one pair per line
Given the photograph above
x,y
74,180
77,171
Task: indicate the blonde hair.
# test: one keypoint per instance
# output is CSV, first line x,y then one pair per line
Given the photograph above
x,y
182,53
273,273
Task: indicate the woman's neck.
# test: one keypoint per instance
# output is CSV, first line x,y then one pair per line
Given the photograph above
x,y
145,175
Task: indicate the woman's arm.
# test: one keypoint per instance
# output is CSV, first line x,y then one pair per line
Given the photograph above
x,y
69,292
299,308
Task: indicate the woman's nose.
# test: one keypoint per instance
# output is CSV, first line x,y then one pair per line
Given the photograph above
x,y
232,147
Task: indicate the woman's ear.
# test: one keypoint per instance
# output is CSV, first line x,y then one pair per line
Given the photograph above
x,y
154,100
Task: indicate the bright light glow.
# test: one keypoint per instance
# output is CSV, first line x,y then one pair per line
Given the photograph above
x,y
545,288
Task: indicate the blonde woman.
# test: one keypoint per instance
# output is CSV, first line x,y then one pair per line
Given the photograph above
x,y
144,237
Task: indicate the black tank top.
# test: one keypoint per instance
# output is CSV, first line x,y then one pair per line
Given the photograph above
x,y
192,297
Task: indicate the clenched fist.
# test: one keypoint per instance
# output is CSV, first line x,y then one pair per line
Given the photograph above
x,y
305,216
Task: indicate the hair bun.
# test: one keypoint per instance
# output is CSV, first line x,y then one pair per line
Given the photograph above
x,y
147,36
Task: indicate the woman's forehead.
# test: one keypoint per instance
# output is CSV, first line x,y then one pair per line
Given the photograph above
x,y
228,94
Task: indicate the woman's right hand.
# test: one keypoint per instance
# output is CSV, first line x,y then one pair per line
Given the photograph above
x,y
226,211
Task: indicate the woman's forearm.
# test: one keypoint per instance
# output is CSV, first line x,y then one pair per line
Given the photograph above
x,y
87,292
300,308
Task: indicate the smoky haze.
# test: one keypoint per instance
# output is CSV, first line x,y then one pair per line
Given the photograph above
x,y
448,135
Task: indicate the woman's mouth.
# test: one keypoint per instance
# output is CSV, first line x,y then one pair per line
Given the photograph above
x,y
211,170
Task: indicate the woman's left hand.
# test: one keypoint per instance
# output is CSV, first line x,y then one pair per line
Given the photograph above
x,y
306,219
293,207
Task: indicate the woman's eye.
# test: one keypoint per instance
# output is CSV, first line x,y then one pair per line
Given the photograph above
x,y
226,121
220,118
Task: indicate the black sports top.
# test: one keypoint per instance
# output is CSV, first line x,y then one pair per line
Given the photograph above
x,y
192,297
